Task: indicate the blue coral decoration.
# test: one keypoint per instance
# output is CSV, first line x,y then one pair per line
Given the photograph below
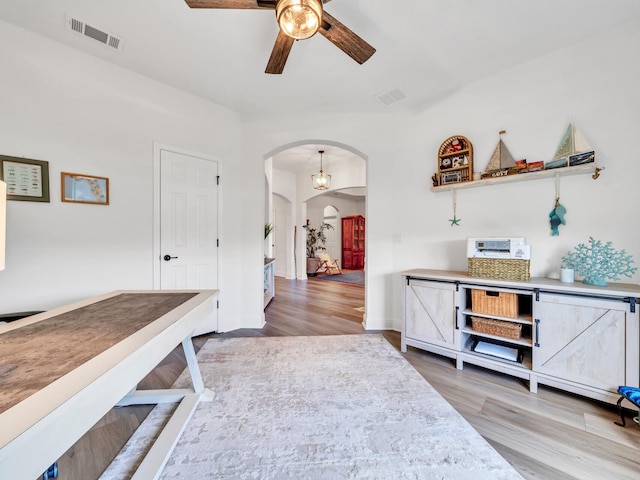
x,y
598,262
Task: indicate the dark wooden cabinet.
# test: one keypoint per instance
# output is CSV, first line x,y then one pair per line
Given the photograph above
x,y
353,234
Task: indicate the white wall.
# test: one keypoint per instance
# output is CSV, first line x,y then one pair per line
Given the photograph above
x,y
86,116
592,83
378,137
345,207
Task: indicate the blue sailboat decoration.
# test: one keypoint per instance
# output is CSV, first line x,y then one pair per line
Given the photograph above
x,y
573,150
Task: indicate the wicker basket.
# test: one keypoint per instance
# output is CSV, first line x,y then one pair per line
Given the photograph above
x,y
499,328
499,268
500,304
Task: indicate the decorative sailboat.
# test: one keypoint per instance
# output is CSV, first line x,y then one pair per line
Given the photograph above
x,y
573,150
501,162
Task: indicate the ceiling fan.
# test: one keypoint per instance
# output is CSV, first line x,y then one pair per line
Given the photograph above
x,y
298,20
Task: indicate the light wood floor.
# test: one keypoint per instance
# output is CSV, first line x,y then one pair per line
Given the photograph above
x,y
550,435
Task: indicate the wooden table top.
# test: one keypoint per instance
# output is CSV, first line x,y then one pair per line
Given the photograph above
x,y
37,354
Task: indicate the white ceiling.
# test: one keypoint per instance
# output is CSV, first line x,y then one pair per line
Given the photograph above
x,y
425,48
305,158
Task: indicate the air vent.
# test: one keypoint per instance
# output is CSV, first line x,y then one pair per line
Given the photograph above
x,y
391,97
98,34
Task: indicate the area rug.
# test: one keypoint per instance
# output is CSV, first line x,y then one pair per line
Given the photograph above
x,y
356,278
327,407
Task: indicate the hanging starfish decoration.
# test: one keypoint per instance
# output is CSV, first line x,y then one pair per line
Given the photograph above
x,y
455,220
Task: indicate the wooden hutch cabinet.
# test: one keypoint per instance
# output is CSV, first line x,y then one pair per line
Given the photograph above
x,y
353,230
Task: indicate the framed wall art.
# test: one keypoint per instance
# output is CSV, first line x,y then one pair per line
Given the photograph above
x,y
80,188
26,179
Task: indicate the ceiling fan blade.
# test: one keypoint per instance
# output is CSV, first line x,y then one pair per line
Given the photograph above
x,y
345,39
280,53
232,4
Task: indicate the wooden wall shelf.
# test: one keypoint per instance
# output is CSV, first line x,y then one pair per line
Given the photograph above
x,y
578,169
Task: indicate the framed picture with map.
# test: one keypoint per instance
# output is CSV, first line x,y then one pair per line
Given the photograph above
x,y
79,188
27,179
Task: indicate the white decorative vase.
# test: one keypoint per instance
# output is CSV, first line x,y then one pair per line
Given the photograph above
x,y
566,275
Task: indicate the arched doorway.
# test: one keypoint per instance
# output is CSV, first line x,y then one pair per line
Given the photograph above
x,y
291,167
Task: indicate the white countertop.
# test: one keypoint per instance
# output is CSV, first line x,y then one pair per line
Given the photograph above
x,y
541,283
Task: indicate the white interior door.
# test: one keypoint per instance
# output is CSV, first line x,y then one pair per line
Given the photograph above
x,y
189,225
332,236
330,217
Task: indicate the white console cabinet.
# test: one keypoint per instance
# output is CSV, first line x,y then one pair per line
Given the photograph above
x,y
580,338
269,280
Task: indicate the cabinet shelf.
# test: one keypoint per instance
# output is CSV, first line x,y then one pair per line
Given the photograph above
x,y
524,319
575,170
453,169
524,341
464,151
525,366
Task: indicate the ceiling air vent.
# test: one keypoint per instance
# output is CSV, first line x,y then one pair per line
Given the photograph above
x,y
391,97
90,31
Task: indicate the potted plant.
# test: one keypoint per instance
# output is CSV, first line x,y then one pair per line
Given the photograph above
x,y
316,240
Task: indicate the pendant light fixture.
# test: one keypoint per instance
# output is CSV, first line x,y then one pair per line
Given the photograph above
x,y
299,19
321,180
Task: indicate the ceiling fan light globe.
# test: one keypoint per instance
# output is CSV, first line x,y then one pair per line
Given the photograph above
x,y
299,19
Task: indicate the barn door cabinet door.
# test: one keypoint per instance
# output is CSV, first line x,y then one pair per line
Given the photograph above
x,y
589,341
430,310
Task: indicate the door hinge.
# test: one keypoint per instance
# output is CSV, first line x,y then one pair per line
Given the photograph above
x,y
217,242
537,292
217,179
218,304
632,304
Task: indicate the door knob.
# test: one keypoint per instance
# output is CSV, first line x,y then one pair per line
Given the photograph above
x,y
168,257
